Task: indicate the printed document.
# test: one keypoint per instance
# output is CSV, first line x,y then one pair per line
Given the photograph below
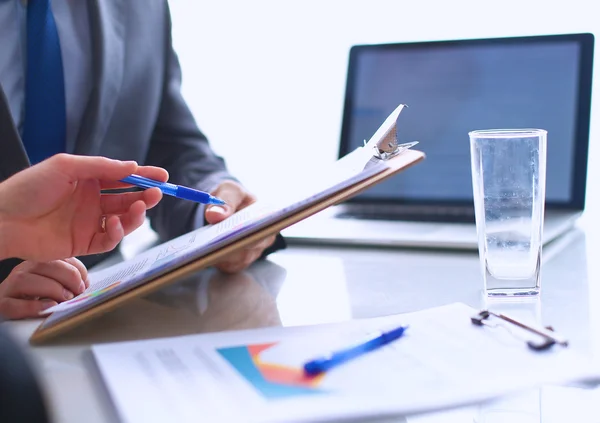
x,y
442,361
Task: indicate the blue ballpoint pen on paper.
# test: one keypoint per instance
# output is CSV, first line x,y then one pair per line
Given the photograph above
x,y
323,364
174,190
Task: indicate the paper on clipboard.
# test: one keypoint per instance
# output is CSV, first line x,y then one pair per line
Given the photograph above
x,y
343,178
111,280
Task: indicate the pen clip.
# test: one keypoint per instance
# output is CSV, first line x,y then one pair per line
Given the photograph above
x,y
549,338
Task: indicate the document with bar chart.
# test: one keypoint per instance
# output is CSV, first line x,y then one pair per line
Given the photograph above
x,y
257,375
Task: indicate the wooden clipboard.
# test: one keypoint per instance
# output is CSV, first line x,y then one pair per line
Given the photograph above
x,y
393,165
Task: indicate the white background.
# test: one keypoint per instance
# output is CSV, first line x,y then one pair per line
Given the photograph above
x,y
265,78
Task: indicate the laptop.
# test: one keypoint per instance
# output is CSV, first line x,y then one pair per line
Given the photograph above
x,y
452,87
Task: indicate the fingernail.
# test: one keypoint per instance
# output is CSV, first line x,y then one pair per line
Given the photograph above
x,y
47,304
217,209
67,294
81,287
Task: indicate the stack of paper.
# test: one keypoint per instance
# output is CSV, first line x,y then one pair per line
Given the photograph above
x,y
256,375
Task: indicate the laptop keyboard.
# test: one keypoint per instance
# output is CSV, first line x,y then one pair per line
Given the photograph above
x,y
407,213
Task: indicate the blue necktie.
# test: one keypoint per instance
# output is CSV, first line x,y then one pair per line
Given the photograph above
x,y
44,126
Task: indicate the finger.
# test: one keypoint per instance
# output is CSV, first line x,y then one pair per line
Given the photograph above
x,y
16,308
107,240
239,261
31,285
117,227
152,172
235,197
134,217
152,197
91,167
263,244
216,214
120,203
70,273
82,271
232,268
260,246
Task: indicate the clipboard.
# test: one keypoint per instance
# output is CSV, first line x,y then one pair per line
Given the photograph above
x,y
378,159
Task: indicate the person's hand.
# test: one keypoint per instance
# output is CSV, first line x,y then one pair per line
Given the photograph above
x,y
236,198
33,287
55,209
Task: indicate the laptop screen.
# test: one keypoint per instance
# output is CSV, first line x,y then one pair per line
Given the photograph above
x,y
453,87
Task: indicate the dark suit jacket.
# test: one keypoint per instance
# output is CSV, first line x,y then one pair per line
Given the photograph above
x,y
21,395
135,112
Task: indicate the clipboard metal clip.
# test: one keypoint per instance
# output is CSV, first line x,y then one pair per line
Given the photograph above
x,y
385,141
546,334
393,150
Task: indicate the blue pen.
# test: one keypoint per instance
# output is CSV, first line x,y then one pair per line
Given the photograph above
x,y
320,365
174,190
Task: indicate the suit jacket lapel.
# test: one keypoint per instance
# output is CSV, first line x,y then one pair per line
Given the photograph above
x,y
12,153
108,31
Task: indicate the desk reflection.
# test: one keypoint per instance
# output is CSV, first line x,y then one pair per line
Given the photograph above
x,y
207,301
227,302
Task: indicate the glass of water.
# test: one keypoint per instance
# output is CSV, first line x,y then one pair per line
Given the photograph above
x,y
508,167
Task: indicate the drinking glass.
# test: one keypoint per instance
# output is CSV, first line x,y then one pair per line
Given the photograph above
x,y
508,168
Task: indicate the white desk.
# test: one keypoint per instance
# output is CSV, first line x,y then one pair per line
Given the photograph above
x,y
317,285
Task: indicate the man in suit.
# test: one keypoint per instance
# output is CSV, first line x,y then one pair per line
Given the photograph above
x,y
100,77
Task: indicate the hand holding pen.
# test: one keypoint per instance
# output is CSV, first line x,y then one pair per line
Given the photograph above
x,y
57,208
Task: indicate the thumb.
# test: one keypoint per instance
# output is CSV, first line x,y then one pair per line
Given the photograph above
x,y
215,214
233,195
